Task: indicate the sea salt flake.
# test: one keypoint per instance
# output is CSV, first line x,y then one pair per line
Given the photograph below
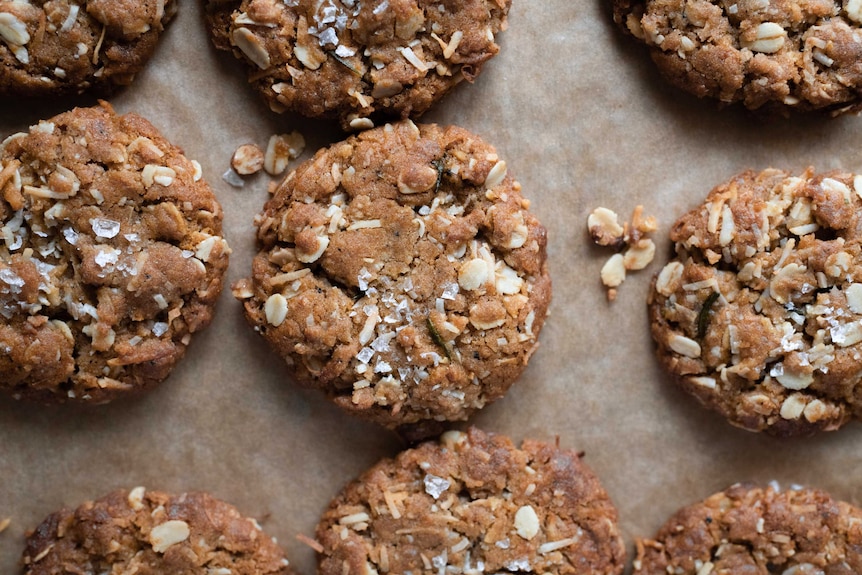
x,y
382,367
522,564
362,279
365,354
450,290
381,342
328,36
160,328
435,486
106,257
344,52
232,178
105,228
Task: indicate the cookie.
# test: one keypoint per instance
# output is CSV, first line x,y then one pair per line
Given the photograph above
x,y
110,256
153,533
70,46
775,56
400,272
357,61
749,529
473,503
759,315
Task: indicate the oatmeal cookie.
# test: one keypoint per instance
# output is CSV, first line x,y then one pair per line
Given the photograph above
x,y
152,533
752,530
771,55
54,47
357,60
473,503
400,272
110,256
759,315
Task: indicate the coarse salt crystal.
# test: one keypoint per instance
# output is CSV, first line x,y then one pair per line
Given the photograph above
x,y
105,228
435,486
105,257
344,52
450,290
365,354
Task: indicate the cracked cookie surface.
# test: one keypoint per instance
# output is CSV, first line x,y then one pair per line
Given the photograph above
x,y
757,531
358,61
779,55
759,315
54,47
400,272
152,533
110,256
473,503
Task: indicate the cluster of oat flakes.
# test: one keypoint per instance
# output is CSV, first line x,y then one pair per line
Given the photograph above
x,y
635,251
249,159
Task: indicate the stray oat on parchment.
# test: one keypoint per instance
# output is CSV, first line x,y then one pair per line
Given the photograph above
x,y
629,238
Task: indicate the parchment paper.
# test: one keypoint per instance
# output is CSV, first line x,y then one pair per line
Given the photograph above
x,y
583,121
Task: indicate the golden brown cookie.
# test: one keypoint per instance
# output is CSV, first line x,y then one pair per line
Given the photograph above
x,y
152,533
400,272
357,61
69,46
759,531
775,55
759,314
110,256
473,503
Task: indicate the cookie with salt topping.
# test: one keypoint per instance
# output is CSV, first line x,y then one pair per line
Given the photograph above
x,y
473,503
774,56
152,533
752,529
72,46
401,272
358,61
759,313
111,256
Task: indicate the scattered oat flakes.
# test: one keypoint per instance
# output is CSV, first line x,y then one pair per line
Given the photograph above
x,y
629,238
281,149
318,548
247,160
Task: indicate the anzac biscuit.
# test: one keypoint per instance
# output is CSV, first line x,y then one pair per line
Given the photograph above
x,y
759,315
357,60
69,46
772,55
152,533
110,256
748,529
473,503
400,272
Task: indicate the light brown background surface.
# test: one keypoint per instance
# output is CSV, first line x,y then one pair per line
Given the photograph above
x,y
583,121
